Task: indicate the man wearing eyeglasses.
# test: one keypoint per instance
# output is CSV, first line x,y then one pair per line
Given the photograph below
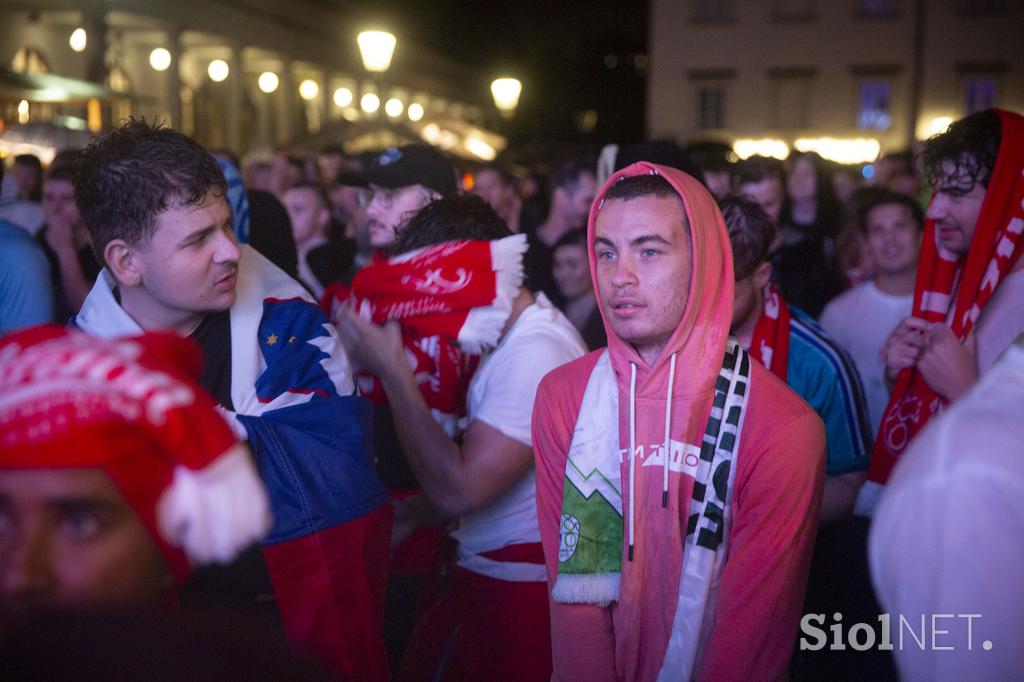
x,y
403,180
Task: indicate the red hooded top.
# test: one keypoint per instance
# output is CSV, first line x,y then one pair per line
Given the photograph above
x,y
776,498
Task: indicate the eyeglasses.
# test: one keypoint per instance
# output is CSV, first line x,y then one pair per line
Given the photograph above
x,y
385,196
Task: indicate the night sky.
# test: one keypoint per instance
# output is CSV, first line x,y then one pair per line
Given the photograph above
x,y
571,57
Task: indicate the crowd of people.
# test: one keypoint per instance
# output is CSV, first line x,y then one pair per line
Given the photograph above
x,y
389,416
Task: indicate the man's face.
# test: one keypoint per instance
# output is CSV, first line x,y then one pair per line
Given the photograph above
x,y
644,260
768,194
390,208
571,271
345,202
68,537
26,177
59,203
190,264
955,208
308,215
576,204
746,301
893,239
490,186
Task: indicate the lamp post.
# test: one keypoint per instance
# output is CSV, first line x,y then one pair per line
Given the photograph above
x,y
376,49
506,93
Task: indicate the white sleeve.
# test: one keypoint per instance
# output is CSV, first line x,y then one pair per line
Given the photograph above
x,y
507,401
950,543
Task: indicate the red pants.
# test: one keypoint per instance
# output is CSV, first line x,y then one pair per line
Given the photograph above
x,y
482,628
330,588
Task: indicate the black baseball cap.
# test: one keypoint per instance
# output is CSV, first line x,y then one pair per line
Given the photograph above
x,y
414,164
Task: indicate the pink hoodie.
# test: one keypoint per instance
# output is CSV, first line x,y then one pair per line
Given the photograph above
x,y
777,494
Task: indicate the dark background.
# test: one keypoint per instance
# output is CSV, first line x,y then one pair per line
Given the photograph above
x,y
571,57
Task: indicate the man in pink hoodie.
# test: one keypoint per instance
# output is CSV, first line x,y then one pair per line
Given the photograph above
x,y
678,483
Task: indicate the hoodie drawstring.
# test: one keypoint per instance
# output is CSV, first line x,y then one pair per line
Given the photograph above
x,y
632,455
632,445
668,423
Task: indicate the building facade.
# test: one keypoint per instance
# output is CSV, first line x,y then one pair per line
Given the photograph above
x,y
855,77
159,56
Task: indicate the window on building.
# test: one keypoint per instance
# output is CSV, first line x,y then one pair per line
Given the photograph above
x,y
874,110
710,106
29,60
979,92
878,8
712,10
790,100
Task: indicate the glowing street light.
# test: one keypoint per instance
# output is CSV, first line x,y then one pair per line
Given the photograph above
x,y
394,107
78,40
308,89
376,48
268,82
343,97
506,93
218,70
415,111
160,59
369,103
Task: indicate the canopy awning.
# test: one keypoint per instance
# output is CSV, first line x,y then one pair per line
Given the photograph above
x,y
47,87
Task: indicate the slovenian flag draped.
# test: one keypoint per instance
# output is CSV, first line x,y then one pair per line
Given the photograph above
x,y
294,400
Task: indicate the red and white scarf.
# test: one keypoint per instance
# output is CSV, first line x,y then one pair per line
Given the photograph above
x,y
452,300
770,342
994,249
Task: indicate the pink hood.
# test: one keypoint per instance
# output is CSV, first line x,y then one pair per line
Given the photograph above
x,y
699,340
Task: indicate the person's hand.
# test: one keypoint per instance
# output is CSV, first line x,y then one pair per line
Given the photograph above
x,y
59,235
949,367
904,346
374,349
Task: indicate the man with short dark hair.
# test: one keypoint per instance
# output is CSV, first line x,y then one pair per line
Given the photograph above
x,y
493,622
762,179
498,189
678,482
861,319
322,260
969,288
572,190
799,352
154,203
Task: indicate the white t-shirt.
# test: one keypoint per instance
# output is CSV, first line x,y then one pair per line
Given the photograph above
x,y
860,320
948,536
501,394
1001,320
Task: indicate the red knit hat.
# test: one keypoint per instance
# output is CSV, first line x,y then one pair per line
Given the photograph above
x,y
132,408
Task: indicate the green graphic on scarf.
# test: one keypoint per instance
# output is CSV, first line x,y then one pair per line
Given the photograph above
x,y
590,533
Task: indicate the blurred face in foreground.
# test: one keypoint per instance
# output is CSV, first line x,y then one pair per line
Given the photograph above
x,y
68,537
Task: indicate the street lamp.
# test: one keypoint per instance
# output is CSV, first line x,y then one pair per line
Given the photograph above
x,y
78,40
268,82
376,48
160,59
218,70
506,93
309,89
